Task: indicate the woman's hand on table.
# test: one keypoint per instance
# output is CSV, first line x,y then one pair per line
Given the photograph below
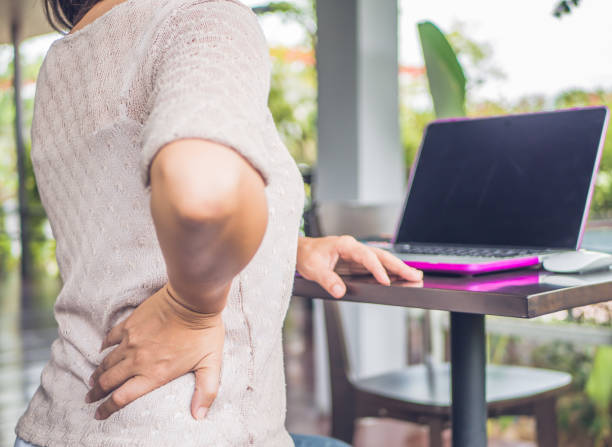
x,y
321,259
160,341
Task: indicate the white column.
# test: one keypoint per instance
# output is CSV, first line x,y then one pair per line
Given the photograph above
x,y
360,168
360,157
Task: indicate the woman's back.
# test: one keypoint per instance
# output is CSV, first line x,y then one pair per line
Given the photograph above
x,y
109,96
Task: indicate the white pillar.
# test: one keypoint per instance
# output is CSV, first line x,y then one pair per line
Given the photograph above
x,y
360,157
360,169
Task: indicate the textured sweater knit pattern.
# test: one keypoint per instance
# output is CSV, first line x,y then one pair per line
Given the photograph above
x,y
108,97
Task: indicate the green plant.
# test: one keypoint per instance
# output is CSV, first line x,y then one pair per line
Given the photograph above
x,y
599,390
447,82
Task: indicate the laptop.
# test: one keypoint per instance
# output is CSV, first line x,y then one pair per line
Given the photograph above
x,y
500,193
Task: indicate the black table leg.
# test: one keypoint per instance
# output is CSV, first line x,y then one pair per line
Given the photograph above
x,y
469,406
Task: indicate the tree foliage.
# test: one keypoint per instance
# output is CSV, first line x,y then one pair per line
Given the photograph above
x,y
565,7
41,247
293,90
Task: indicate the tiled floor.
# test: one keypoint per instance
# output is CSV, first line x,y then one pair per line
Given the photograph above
x,y
22,357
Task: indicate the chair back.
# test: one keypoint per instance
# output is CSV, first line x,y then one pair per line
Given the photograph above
x,y
312,226
337,353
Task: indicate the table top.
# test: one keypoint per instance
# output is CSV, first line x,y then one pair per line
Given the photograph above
x,y
523,293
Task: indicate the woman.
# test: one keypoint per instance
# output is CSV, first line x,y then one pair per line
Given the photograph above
x,y
175,207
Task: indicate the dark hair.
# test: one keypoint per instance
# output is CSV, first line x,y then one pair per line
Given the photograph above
x,y
64,14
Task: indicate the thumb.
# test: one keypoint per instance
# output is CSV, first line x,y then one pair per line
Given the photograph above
x,y
332,283
206,387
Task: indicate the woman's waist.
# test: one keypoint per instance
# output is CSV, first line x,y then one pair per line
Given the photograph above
x,y
161,417
244,397
75,354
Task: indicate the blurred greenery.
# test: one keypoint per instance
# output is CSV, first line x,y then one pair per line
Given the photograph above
x,y
41,247
293,90
576,413
599,390
583,412
565,7
292,102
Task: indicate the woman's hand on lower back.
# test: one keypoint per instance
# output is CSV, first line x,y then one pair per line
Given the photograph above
x,y
321,259
160,341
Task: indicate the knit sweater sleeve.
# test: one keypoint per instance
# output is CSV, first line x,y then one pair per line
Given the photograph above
x,y
210,81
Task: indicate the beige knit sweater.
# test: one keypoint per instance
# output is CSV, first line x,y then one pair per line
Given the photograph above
x,y
108,97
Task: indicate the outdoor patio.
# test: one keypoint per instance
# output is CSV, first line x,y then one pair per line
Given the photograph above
x,y
351,110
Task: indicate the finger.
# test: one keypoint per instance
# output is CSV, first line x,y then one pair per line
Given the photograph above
x,y
331,282
111,359
363,255
113,337
131,390
350,268
398,267
206,389
108,381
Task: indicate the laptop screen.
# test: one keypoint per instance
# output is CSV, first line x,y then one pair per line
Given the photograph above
x,y
517,180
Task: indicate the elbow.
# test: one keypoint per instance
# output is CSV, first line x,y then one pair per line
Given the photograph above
x,y
232,199
212,200
237,208
203,182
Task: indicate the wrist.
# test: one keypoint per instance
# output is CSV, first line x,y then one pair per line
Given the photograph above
x,y
303,242
196,316
303,249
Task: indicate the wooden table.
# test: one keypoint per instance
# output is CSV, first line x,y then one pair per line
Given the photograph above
x,y
521,294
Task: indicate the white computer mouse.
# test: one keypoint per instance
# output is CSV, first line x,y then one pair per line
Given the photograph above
x,y
580,261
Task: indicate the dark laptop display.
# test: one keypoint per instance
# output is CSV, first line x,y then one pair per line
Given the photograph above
x,y
512,181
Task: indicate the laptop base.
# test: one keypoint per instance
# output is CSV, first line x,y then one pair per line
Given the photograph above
x,y
470,268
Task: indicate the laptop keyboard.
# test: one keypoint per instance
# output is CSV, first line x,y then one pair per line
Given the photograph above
x,y
484,252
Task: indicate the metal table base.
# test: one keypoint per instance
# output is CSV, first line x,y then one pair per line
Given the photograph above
x,y
468,362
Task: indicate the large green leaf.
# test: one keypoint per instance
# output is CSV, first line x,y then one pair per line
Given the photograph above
x,y
445,75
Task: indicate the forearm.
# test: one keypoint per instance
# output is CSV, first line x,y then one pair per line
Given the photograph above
x,y
210,215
